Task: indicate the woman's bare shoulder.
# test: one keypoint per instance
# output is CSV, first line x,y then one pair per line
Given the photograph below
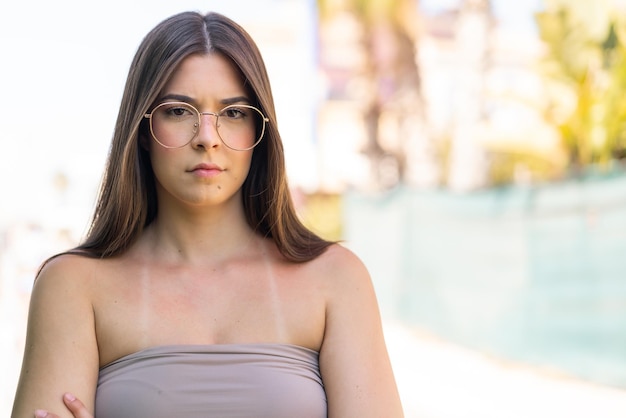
x,y
353,336
341,266
67,269
61,350
340,255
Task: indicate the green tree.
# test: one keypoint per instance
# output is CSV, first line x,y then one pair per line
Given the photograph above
x,y
589,59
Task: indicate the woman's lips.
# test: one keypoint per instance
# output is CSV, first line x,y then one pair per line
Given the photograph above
x,y
207,170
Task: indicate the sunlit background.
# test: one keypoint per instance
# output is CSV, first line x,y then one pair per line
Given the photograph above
x,y
472,152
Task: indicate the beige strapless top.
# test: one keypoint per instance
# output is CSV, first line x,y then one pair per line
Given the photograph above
x,y
223,380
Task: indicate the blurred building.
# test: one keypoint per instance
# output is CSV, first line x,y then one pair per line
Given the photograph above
x,y
371,125
477,97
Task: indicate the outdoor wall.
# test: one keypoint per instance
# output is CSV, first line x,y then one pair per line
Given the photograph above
x,y
529,274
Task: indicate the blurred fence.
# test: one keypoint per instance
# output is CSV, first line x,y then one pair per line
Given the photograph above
x,y
527,274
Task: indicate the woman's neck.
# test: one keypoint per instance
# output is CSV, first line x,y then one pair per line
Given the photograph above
x,y
199,237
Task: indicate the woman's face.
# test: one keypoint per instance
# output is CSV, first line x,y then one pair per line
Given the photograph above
x,y
204,172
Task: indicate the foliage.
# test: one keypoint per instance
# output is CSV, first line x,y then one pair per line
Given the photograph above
x,y
593,130
521,166
322,213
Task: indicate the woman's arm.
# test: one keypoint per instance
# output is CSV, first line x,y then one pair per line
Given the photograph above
x,y
61,352
354,363
77,408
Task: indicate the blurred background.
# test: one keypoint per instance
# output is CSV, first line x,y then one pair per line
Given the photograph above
x,y
471,152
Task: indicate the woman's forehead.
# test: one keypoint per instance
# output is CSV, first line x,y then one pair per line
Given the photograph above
x,y
206,76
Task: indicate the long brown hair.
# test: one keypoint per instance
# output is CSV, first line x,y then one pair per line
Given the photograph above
x,y
127,200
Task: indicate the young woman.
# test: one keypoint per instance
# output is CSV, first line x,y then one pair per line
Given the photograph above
x,y
197,292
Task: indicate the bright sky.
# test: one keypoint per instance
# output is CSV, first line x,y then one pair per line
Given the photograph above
x,y
63,69
517,13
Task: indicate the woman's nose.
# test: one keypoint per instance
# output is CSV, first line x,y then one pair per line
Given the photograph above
x,y
207,136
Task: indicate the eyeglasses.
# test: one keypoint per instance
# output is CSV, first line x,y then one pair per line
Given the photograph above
x,y
175,124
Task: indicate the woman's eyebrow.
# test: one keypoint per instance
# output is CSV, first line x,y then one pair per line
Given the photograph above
x,y
176,97
187,99
233,100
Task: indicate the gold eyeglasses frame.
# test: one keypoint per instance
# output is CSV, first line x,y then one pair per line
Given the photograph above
x,y
264,119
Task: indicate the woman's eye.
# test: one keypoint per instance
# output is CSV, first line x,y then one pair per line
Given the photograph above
x,y
234,113
178,111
